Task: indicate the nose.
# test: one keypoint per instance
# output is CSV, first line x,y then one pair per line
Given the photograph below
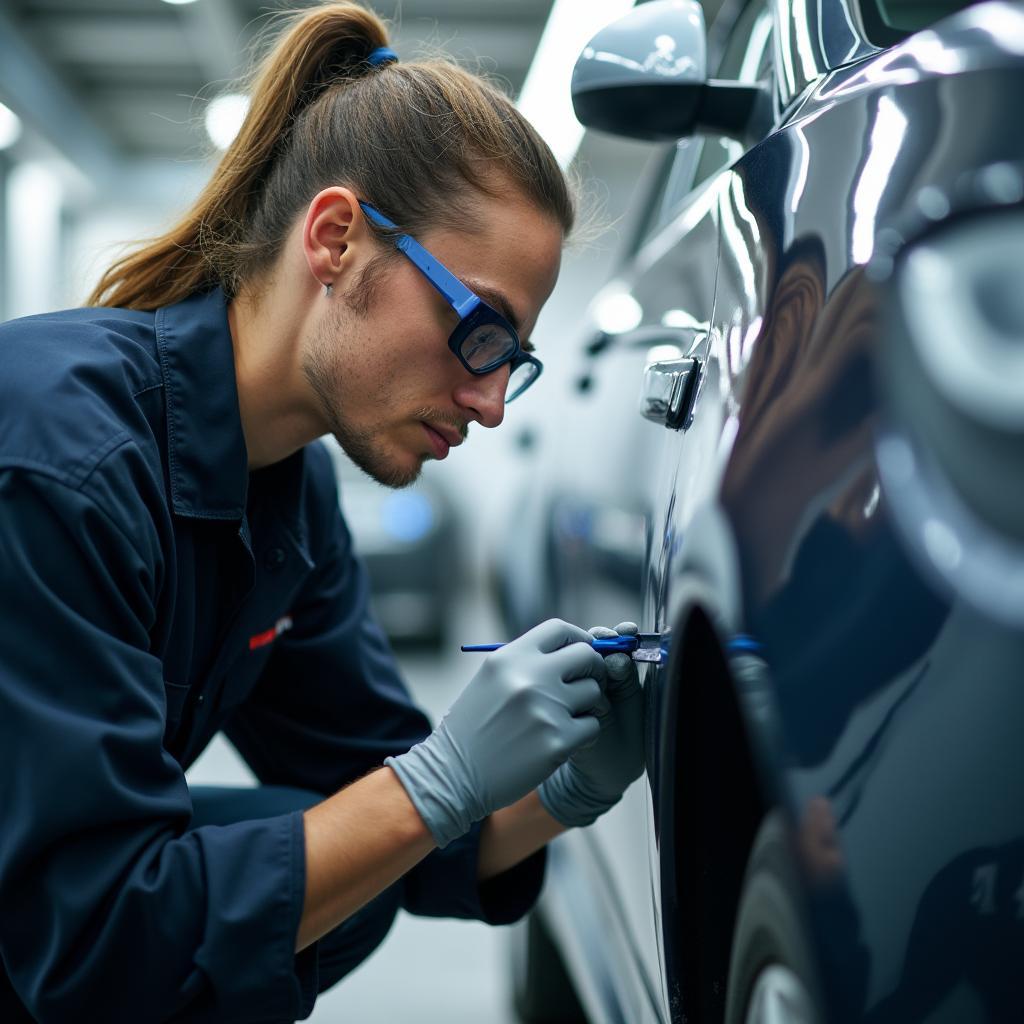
x,y
483,397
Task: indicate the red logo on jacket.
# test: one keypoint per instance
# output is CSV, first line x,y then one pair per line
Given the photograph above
x,y
268,636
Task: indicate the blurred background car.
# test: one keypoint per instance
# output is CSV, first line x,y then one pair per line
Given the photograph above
x,y
792,441
408,540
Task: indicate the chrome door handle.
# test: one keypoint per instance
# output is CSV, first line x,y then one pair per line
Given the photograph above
x,y
668,392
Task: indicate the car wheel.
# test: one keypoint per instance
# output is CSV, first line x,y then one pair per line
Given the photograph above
x,y
541,990
771,975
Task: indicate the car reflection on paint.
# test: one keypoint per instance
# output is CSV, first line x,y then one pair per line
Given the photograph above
x,y
819,500
407,540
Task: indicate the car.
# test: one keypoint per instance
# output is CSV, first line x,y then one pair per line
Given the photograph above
x,y
408,541
802,398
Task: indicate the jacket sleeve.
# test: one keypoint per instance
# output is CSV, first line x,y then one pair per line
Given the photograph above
x,y
331,705
109,908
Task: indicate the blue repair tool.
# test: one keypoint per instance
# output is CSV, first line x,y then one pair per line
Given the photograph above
x,y
651,647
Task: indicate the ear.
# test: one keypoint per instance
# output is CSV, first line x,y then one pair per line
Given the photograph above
x,y
335,236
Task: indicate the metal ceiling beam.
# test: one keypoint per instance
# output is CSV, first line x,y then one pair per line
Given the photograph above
x,y
522,11
146,119
218,37
102,40
29,86
510,47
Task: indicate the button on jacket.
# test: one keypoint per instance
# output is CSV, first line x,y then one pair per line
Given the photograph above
x,y
154,591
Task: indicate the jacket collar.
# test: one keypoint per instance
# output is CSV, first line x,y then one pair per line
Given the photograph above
x,y
207,459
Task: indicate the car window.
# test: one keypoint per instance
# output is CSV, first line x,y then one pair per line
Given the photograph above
x,y
888,21
674,182
746,58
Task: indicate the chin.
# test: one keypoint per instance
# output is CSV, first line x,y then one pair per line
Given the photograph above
x,y
390,472
396,478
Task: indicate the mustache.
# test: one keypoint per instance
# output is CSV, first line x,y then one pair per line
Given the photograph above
x,y
445,419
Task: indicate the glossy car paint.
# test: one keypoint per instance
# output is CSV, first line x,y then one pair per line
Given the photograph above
x,y
884,712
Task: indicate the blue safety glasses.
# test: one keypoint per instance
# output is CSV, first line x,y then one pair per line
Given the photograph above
x,y
483,340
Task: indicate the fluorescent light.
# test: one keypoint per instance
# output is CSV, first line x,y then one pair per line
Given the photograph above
x,y
224,116
35,200
614,310
545,100
680,318
179,3
10,127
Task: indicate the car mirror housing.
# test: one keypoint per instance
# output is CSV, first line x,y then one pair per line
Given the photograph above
x,y
644,76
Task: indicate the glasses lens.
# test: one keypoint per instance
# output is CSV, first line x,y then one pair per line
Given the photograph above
x,y
520,379
487,344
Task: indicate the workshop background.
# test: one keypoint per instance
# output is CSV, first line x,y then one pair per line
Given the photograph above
x,y
112,113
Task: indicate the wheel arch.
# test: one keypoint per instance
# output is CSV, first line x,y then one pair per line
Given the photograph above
x,y
710,803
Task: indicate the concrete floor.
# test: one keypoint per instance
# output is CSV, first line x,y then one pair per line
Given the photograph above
x,y
427,970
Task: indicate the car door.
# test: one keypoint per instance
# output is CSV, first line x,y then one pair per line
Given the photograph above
x,y
606,507
661,303
608,529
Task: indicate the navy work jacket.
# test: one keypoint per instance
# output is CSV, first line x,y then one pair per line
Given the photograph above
x,y
154,591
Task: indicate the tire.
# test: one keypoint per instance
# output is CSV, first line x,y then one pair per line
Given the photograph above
x,y
771,970
541,990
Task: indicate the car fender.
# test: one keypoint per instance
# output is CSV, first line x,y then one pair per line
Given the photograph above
x,y
714,728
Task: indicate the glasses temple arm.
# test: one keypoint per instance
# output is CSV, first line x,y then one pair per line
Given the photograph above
x,y
455,293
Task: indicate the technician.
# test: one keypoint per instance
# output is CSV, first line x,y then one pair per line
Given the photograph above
x,y
364,262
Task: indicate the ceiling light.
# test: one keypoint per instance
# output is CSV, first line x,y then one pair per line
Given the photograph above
x,y
224,116
614,310
545,100
10,127
178,3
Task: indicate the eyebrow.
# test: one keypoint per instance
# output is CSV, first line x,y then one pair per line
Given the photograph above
x,y
500,302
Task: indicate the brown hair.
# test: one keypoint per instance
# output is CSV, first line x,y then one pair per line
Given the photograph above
x,y
407,137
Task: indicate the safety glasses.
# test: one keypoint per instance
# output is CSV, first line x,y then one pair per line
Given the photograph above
x,y
483,339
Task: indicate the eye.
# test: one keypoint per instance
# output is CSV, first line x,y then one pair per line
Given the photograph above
x,y
480,340
486,344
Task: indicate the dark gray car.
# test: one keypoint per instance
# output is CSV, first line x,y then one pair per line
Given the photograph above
x,y
811,430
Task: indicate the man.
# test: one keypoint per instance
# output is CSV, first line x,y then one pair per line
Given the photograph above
x,y
173,562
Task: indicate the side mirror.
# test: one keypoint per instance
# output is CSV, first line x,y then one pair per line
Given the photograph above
x,y
645,77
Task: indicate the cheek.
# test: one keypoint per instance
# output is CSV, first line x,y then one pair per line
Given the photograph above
x,y
407,371
403,345
419,349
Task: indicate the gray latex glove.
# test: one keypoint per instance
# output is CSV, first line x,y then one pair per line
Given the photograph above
x,y
596,776
525,711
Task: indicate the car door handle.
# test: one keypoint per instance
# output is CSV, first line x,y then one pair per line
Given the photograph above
x,y
668,392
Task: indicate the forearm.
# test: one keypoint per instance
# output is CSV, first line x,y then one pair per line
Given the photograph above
x,y
511,834
358,842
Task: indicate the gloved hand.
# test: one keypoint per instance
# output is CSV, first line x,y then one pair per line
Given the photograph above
x,y
525,711
595,777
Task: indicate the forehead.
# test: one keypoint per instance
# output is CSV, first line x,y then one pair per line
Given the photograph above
x,y
510,257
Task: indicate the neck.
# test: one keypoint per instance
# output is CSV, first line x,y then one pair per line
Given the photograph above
x,y
272,398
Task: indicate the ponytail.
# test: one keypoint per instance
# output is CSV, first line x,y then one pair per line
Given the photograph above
x,y
407,137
